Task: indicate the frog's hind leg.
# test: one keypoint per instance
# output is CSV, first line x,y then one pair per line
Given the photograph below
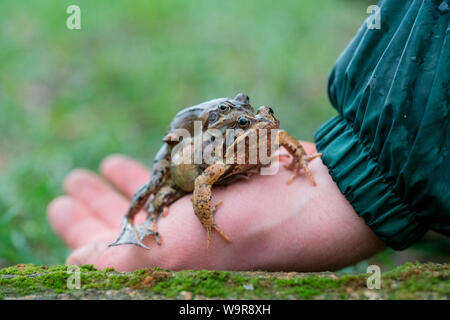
x,y
149,227
166,195
128,233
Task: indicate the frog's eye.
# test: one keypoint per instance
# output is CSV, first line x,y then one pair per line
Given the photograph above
x,y
270,110
243,122
224,108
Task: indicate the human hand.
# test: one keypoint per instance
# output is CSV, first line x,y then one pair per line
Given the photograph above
x,y
273,226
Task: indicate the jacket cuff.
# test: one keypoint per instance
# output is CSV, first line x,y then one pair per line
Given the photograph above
x,y
365,186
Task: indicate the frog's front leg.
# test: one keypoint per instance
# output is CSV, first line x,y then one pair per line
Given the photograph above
x,y
201,199
300,158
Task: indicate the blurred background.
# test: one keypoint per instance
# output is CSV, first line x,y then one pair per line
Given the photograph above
x,y
68,98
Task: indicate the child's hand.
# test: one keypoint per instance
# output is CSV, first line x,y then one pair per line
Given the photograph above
x,y
273,226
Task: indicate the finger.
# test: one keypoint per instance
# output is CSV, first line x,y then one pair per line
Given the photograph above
x,y
89,189
183,246
88,254
75,223
125,174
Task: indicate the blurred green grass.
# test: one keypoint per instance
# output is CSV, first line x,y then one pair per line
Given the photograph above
x,y
70,98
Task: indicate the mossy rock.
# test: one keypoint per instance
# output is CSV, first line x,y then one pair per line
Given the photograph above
x,y
410,281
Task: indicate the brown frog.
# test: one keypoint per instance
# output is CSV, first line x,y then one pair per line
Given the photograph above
x,y
214,114
264,124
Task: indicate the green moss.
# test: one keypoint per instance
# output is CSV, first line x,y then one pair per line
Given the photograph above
x,y
87,267
410,281
24,284
57,268
55,280
206,283
23,269
343,295
221,284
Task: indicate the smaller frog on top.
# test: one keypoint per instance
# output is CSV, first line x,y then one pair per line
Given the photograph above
x,y
261,126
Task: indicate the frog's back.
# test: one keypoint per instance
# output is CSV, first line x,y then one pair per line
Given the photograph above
x,y
186,117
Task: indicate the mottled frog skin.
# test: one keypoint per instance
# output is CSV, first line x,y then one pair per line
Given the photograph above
x,y
223,170
214,114
171,181
217,113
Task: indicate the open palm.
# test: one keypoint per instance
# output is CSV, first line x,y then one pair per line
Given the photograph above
x,y
272,225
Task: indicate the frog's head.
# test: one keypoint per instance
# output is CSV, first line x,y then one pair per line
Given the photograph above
x,y
261,123
229,111
266,113
264,119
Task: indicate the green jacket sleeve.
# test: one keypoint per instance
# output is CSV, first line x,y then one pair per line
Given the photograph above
x,y
388,149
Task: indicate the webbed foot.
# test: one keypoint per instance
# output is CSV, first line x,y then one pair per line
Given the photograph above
x,y
129,234
149,228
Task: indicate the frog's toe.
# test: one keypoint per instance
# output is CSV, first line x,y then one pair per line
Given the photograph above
x,y
144,230
165,212
216,207
297,174
294,167
128,235
302,163
281,157
221,233
313,156
152,225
